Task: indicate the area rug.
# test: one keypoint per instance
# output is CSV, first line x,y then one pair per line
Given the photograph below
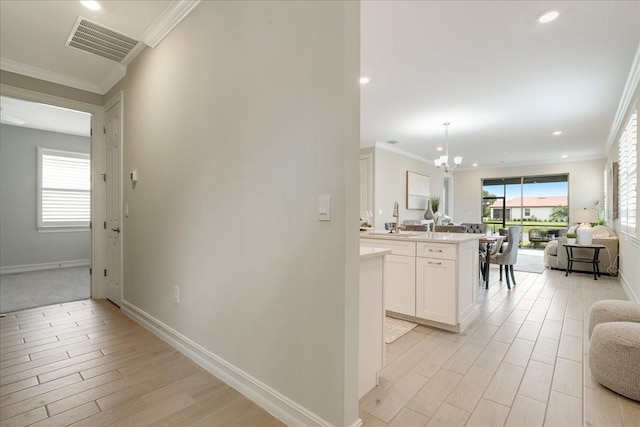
x,y
395,328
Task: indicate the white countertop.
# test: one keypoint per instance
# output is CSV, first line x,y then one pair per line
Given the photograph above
x,y
416,236
366,253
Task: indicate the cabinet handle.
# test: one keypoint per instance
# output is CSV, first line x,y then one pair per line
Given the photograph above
x,y
434,263
435,250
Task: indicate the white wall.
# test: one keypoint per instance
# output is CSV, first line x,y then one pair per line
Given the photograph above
x,y
390,184
585,185
20,242
236,123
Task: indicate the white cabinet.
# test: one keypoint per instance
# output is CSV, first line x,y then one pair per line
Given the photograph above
x,y
399,274
433,280
436,290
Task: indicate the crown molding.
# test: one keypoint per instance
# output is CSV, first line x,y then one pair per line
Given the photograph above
x,y
49,76
387,147
113,76
628,94
175,12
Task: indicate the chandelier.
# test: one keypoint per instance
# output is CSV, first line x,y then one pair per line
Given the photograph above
x,y
443,161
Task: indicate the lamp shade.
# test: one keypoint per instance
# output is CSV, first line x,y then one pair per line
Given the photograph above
x,y
585,216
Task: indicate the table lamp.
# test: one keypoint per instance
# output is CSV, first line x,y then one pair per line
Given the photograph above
x,y
584,231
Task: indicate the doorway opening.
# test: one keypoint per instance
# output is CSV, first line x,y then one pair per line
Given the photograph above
x,y
45,205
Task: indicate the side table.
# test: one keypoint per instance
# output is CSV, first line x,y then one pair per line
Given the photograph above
x,y
577,258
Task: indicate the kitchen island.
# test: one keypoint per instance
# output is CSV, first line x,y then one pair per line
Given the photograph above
x,y
430,278
371,317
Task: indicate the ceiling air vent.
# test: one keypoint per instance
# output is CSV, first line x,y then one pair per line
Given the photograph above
x,y
99,40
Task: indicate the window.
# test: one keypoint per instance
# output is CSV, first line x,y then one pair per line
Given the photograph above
x,y
628,174
64,190
527,212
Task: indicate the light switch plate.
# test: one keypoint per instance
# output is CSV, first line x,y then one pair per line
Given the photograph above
x,y
324,207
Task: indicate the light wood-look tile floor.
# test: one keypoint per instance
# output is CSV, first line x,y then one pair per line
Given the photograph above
x,y
523,362
87,364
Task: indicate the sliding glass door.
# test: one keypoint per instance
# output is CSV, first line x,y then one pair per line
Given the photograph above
x,y
538,203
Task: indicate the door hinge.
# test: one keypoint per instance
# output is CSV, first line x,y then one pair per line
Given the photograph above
x,y
105,272
104,177
104,129
90,271
105,225
90,224
91,132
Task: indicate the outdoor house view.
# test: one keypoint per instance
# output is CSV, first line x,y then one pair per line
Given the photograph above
x,y
540,205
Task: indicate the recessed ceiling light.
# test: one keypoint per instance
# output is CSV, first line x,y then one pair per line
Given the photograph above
x,y
439,149
364,80
548,16
90,4
474,165
564,156
558,132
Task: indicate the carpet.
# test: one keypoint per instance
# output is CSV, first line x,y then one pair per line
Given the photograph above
x,y
45,287
395,328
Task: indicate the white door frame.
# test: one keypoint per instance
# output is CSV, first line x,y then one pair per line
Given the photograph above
x,y
118,98
98,285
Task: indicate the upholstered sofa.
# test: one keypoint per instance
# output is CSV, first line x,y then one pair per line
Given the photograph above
x,y
555,255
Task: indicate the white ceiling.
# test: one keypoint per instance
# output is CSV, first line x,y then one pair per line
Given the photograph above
x,y
33,36
17,112
503,80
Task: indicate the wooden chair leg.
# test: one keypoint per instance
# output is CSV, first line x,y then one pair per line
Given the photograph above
x,y
506,273
513,277
501,272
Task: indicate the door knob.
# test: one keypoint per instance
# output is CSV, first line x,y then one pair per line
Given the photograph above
x,y
117,229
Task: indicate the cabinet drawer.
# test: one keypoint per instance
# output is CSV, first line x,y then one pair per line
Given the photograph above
x,y
397,247
436,250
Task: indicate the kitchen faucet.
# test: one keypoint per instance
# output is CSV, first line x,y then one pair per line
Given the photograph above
x,y
397,216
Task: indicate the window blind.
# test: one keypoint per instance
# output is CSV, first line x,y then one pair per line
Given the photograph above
x,y
628,173
64,189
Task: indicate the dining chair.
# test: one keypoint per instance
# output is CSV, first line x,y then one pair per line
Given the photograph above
x,y
495,248
509,256
450,228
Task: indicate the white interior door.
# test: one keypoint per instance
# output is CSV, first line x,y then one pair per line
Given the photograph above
x,y
113,217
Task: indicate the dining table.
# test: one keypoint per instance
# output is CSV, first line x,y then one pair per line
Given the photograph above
x,y
488,241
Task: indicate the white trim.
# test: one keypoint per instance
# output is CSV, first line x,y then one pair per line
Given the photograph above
x,y
628,94
632,296
175,12
387,147
98,289
62,229
625,284
261,394
358,423
13,269
42,74
117,72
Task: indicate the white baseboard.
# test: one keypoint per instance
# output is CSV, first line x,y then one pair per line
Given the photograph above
x,y
632,296
13,269
278,405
